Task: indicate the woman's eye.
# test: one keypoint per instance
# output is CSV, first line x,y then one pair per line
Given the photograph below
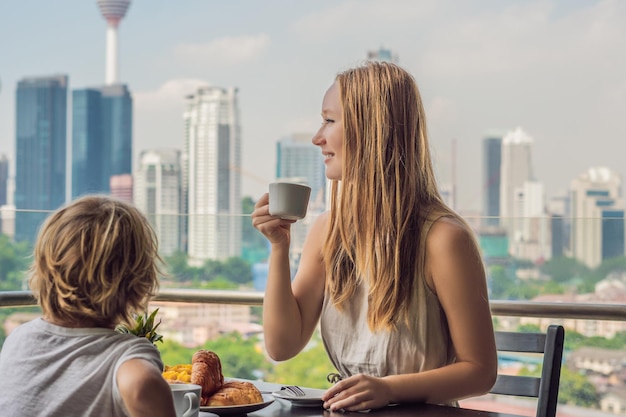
x,y
328,121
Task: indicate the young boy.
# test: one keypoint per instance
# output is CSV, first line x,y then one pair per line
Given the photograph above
x,y
95,265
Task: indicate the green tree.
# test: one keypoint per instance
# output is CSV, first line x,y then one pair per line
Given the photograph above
x,y
500,282
609,265
14,261
254,245
528,328
178,268
238,270
565,269
309,368
575,389
240,357
219,283
173,353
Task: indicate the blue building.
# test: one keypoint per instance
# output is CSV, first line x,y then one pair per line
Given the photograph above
x,y
492,162
40,131
613,235
101,137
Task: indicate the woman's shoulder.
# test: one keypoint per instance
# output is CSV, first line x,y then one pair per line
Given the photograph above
x,y
448,231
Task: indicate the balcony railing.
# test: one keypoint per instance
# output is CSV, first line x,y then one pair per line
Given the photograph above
x,y
580,311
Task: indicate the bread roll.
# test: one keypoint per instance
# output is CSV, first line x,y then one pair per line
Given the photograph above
x,y
206,371
235,393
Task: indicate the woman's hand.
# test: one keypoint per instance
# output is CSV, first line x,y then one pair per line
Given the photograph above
x,y
357,393
275,229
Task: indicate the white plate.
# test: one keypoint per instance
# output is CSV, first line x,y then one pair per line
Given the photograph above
x,y
227,410
312,397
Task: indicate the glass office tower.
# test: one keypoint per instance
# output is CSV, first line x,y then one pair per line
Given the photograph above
x,y
101,137
492,157
40,130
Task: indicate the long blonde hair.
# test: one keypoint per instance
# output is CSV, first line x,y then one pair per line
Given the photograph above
x,y
95,261
388,188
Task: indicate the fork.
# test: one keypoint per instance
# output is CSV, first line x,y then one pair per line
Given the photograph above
x,y
294,390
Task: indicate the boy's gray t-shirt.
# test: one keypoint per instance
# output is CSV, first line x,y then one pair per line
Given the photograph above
x,y
63,372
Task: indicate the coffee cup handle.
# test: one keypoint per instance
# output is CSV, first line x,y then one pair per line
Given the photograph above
x,y
194,404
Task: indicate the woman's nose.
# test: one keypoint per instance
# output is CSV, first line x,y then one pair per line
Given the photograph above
x,y
318,138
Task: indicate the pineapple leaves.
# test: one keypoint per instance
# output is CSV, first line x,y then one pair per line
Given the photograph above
x,y
143,327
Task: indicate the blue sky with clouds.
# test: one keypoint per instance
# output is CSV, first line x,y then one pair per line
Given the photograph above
x,y
557,68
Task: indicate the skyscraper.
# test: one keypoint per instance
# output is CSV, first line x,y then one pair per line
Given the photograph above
x,y
515,170
157,192
492,157
4,179
102,120
41,112
211,174
597,229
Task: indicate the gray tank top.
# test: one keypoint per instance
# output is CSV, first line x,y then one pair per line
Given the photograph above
x,y
422,344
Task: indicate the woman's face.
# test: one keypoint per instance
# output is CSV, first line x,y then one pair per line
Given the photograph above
x,y
329,137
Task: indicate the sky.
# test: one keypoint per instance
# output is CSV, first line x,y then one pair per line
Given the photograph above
x,y
555,68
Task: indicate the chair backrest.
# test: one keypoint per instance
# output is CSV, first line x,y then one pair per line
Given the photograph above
x,y
546,388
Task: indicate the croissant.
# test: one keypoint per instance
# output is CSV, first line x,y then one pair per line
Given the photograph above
x,y
206,371
235,393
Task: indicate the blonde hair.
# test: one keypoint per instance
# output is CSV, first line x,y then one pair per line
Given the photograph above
x,y
96,262
388,189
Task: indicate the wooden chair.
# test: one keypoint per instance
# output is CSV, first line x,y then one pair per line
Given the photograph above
x,y
546,388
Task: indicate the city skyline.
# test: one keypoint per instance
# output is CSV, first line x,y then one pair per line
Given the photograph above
x,y
547,66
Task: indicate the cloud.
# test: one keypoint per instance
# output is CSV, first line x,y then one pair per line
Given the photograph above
x,y
158,114
356,17
172,92
227,51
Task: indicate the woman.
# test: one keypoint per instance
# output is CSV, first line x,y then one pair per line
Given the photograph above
x,y
394,275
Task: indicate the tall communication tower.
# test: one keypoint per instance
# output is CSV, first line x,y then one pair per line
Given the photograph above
x,y
113,11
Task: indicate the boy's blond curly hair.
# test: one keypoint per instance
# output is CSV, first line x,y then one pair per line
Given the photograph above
x,y
96,263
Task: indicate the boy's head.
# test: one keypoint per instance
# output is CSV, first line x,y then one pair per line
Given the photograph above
x,y
95,263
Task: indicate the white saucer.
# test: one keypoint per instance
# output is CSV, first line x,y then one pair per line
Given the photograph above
x,y
312,397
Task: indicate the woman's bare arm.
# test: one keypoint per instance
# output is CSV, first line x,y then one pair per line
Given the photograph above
x,y
290,310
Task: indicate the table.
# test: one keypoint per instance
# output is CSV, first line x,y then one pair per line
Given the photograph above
x,y
280,408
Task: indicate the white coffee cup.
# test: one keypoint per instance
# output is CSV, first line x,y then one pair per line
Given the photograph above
x,y
186,399
289,200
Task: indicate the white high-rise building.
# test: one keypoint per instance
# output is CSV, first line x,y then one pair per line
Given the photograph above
x,y
157,193
530,235
515,171
212,174
597,208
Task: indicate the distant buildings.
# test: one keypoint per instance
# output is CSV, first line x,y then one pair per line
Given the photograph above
x,y
513,200
298,160
41,114
157,192
515,171
212,174
121,187
382,54
492,163
597,229
4,179
101,137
